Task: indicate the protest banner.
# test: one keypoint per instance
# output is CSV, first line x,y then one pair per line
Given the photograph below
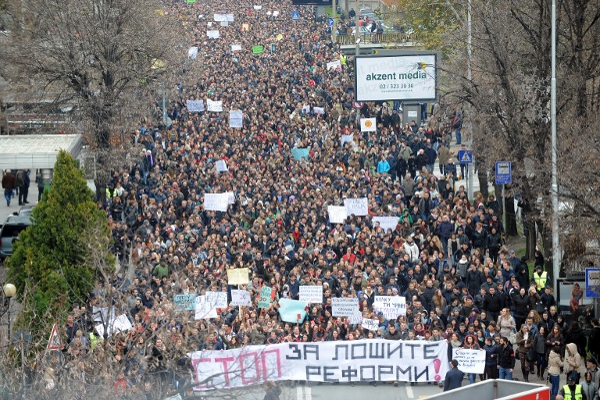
x,y
221,166
236,47
217,299
213,34
390,306
192,53
119,324
240,298
368,124
370,324
293,311
299,154
334,65
337,214
347,138
470,361
214,106
236,119
358,207
215,202
258,49
184,302
336,361
265,297
344,306
386,222
204,309
311,293
238,276
195,105
224,23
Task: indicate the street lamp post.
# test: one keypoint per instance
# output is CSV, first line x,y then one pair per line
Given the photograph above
x,y
9,292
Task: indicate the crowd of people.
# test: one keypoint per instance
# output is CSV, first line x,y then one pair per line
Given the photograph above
x,y
446,256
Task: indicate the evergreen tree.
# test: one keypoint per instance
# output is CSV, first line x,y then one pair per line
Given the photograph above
x,y
51,265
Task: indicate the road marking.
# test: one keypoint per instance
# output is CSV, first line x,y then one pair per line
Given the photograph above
x,y
409,391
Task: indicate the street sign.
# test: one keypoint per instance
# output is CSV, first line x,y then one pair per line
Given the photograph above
x,y
295,15
592,282
503,172
465,157
330,21
357,104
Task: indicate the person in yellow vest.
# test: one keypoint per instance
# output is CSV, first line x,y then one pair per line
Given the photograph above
x,y
571,391
540,278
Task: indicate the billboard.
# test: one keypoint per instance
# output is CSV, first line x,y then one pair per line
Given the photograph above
x,y
396,77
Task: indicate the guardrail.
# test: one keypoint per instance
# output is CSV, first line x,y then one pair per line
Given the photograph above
x,y
387,37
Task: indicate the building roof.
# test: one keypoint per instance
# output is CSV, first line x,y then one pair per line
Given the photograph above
x,y
36,151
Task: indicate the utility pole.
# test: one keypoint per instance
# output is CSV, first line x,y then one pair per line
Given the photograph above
x,y
334,16
357,53
470,168
554,183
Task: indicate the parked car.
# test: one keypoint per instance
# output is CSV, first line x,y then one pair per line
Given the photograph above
x,y
10,230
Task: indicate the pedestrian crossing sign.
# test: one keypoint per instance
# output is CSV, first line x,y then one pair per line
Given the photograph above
x,y
465,157
295,15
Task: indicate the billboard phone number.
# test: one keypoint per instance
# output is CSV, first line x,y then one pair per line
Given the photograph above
x,y
396,86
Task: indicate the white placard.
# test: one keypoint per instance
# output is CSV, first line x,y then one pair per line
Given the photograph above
x,y
230,197
216,201
204,309
370,324
119,324
347,138
224,18
390,306
356,318
386,222
319,110
404,361
412,114
192,53
470,361
275,13
240,298
358,207
236,119
214,106
224,23
221,166
236,47
337,214
257,7
334,65
368,124
404,77
311,293
217,299
213,34
306,109
195,105
344,306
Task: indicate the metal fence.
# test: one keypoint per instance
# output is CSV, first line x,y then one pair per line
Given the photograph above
x,y
387,37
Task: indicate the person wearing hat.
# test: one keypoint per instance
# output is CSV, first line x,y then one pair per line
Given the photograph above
x,y
454,377
572,391
540,278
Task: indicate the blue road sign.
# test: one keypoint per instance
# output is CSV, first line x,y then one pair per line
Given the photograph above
x,y
330,21
592,282
465,157
295,15
503,172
